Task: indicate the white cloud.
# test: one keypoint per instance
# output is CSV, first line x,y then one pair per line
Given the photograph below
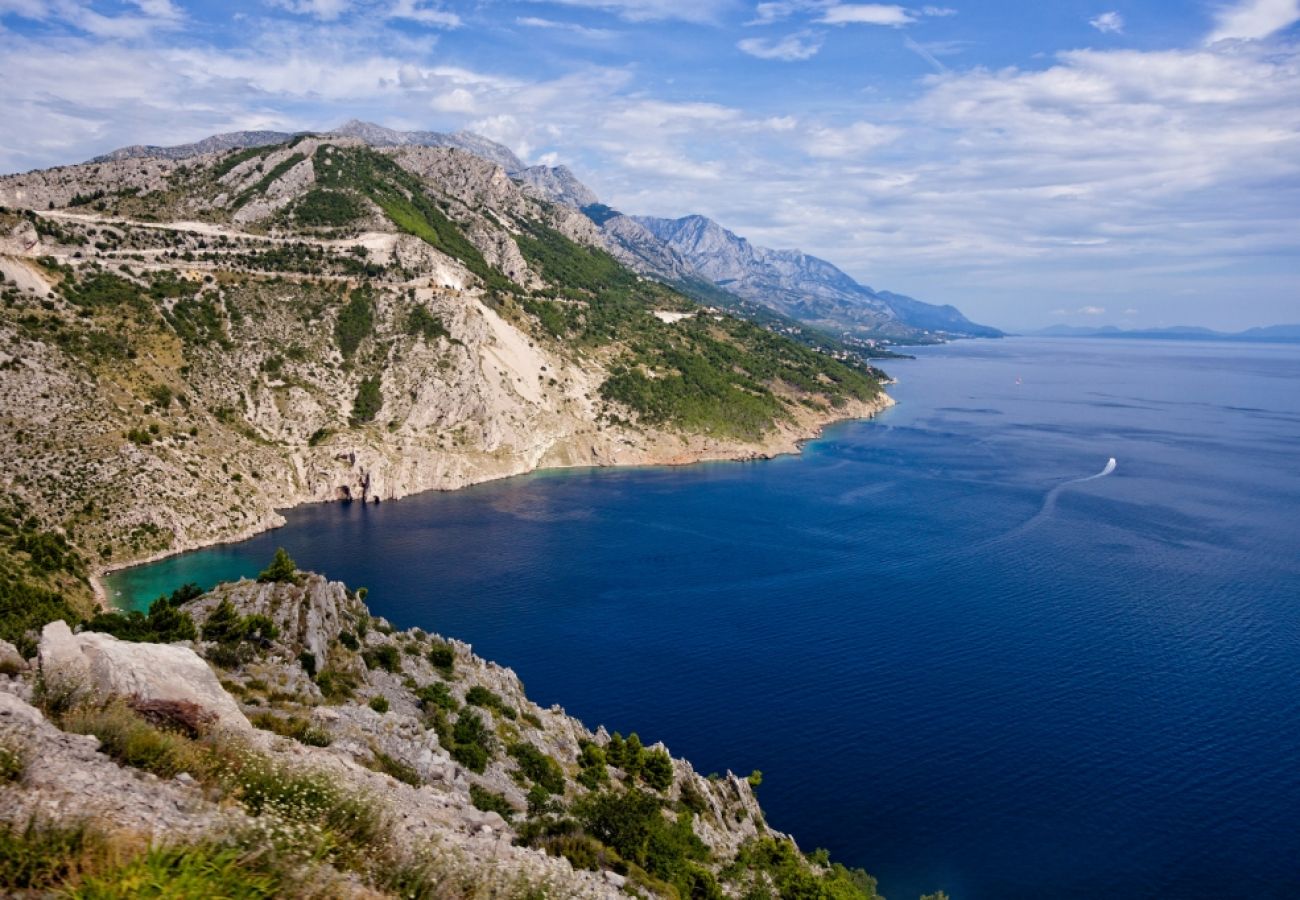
x,y
1254,19
325,10
424,14
867,14
855,140
1108,23
599,34
698,11
791,48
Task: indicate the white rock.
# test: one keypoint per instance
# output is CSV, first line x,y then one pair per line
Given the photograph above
x,y
103,666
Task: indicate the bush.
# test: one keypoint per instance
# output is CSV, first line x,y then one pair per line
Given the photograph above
x,y
132,741
491,801
183,872
443,657
395,768
369,400
336,686
355,322
471,742
296,727
488,699
13,759
436,696
38,855
538,767
282,570
384,656
379,704
657,772
349,640
164,624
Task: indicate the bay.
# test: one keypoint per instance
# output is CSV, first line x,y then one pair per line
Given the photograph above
x,y
962,657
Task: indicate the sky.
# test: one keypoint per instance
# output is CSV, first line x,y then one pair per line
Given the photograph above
x,y
1109,162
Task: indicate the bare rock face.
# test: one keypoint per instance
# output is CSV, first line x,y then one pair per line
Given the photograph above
x,y
101,665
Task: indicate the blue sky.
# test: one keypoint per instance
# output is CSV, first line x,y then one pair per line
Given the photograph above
x,y
1083,162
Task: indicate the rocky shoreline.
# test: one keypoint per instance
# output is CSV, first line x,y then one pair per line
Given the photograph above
x,y
787,441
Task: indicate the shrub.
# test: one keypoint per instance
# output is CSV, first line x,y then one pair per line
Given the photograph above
x,y
182,872
369,400
538,767
657,771
384,656
349,640
282,570
40,855
307,660
395,768
164,624
13,759
472,743
355,322
443,657
490,801
296,727
132,741
436,696
379,704
336,686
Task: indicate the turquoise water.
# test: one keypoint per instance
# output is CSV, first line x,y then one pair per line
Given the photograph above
x,y
958,665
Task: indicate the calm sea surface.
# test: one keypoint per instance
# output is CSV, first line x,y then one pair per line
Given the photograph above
x,y
957,665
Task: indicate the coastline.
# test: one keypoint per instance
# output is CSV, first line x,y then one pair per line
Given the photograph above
x,y
786,441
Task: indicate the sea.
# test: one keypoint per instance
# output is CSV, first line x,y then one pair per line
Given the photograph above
x,y
966,650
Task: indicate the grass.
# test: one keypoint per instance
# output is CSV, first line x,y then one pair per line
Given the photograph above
x,y
179,873
296,727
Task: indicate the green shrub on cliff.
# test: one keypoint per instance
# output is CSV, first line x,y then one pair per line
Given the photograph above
x,y
282,570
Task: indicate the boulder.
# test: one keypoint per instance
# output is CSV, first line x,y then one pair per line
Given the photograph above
x,y
155,675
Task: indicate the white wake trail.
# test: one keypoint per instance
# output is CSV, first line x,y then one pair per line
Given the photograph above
x,y
1049,502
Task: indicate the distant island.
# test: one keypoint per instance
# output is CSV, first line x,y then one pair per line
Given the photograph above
x,y
1265,335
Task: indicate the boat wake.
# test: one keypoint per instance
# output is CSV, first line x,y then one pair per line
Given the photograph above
x,y
1049,501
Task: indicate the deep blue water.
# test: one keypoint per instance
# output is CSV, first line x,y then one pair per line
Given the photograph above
x,y
954,669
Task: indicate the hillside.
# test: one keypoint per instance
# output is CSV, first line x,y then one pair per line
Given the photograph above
x,y
190,345
273,739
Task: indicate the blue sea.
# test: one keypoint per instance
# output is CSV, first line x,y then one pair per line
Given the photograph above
x,y
962,657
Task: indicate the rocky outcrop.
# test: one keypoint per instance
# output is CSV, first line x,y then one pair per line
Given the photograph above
x,y
101,666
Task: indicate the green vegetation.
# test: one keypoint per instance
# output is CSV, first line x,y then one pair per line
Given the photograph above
x,y
383,656
443,658
13,758
237,638
356,321
236,158
42,578
471,742
282,570
401,195
296,727
422,323
538,768
767,861
481,696
395,768
165,623
491,801
321,208
704,375
436,696
369,400
379,704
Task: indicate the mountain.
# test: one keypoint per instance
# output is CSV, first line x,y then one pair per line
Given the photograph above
x,y
691,249
1270,333
190,346
805,287
370,133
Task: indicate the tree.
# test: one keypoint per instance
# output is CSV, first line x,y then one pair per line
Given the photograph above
x,y
224,625
657,771
281,570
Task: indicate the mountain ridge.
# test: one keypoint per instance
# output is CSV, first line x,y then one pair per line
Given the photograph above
x,y
796,284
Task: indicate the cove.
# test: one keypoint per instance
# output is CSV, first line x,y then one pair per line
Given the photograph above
x,y
958,664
